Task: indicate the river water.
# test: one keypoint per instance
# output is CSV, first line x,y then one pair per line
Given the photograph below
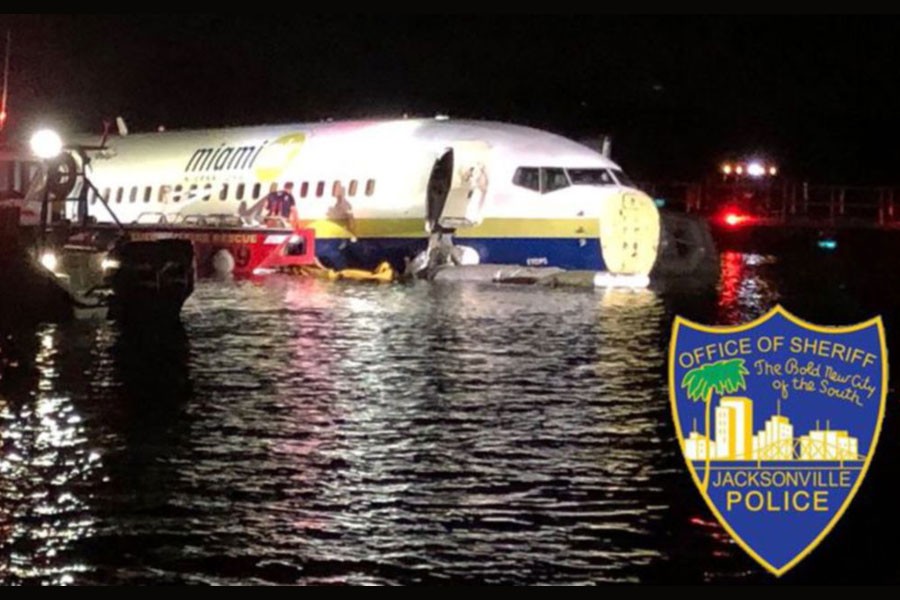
x,y
296,431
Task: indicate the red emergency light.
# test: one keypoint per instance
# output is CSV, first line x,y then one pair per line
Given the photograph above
x,y
734,218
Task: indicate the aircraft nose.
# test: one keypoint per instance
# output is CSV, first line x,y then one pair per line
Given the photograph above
x,y
629,232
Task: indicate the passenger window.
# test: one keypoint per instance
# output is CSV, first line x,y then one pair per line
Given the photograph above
x,y
352,189
336,188
256,190
320,189
370,187
527,177
239,193
553,179
132,195
119,193
106,196
148,191
223,192
177,196
304,189
207,192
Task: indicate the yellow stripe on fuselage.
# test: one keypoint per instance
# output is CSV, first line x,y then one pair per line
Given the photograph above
x,y
489,228
533,228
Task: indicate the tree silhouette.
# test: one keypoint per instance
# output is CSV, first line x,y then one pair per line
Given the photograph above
x,y
721,377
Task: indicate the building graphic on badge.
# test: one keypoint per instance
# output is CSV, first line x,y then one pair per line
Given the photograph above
x,y
735,441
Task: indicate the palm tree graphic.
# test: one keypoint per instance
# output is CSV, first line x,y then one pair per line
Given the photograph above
x,y
721,377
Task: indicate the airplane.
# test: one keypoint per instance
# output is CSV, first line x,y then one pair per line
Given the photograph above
x,y
381,190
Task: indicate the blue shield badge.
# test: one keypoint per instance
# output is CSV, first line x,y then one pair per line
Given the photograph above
x,y
778,420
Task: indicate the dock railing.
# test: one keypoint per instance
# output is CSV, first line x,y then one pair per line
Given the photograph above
x,y
786,202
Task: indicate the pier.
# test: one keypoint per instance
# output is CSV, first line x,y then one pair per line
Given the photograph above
x,y
783,203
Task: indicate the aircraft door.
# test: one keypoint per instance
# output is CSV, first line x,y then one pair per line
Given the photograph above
x,y
457,187
439,183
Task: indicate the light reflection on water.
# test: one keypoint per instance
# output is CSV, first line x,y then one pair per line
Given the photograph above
x,y
44,466
315,432
437,432
746,289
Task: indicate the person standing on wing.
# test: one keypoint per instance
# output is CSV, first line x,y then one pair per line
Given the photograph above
x,y
280,203
343,211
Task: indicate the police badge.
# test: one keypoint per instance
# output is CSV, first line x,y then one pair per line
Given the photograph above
x,y
778,420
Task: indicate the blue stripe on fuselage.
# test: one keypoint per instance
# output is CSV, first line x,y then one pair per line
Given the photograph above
x,y
567,253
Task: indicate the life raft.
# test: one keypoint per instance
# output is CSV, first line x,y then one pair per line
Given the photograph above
x,y
383,273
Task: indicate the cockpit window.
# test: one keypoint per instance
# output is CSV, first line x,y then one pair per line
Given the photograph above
x,y
623,178
543,180
527,177
553,179
591,177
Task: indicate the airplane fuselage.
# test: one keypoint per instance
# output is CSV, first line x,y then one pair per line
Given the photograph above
x,y
513,194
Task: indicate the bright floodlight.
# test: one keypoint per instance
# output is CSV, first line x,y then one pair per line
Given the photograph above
x,y
726,169
48,259
755,169
773,171
46,143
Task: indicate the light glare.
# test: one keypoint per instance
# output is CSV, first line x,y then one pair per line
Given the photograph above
x,y
48,259
755,169
46,143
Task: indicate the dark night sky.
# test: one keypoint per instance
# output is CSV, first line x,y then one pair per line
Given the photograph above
x,y
822,94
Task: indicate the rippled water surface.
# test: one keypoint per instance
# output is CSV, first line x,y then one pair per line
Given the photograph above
x,y
308,432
